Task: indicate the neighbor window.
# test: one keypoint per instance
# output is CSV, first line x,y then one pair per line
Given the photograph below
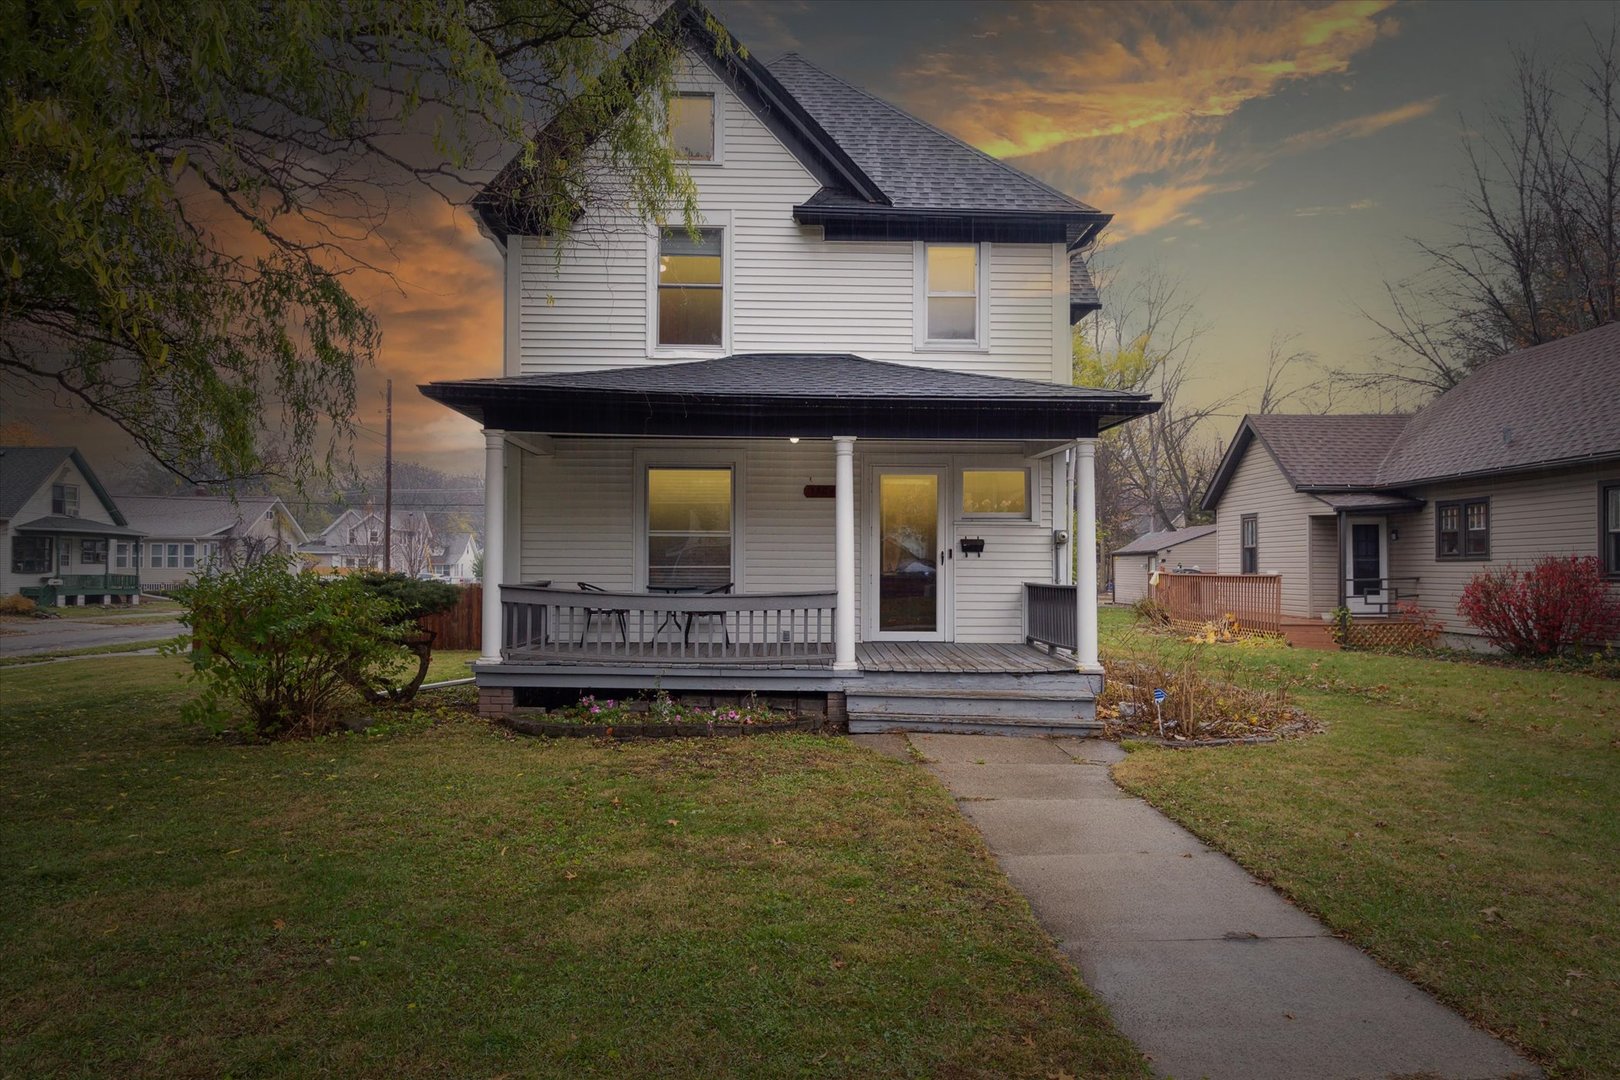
x,y
372,536
157,555
65,500
691,126
93,552
951,284
121,556
689,527
30,554
691,288
1462,529
64,554
1250,532
1611,530
995,493
188,556
173,557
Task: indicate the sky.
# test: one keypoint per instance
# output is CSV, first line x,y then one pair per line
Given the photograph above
x,y
1276,158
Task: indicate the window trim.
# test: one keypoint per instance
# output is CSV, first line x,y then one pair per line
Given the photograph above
x,y
920,340
1611,572
1462,553
45,567
95,546
1245,549
710,219
713,93
66,509
960,513
680,458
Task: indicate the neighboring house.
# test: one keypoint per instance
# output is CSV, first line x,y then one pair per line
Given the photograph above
x,y
1180,549
58,529
354,541
1519,460
185,534
829,436
455,557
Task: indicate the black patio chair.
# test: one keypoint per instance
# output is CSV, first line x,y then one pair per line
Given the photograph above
x,y
693,616
593,612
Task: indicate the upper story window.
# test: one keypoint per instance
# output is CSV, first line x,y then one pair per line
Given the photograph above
x,y
1462,530
692,127
691,289
65,500
950,296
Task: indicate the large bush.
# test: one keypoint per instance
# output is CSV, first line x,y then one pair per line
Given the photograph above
x,y
286,647
413,599
1555,608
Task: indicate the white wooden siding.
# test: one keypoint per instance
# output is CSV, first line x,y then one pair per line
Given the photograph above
x,y
1258,487
1553,513
578,521
789,290
38,506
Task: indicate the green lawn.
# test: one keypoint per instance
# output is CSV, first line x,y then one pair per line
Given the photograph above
x,y
1459,821
444,899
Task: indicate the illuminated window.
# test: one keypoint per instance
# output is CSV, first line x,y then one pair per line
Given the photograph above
x,y
952,290
689,527
692,127
995,493
691,288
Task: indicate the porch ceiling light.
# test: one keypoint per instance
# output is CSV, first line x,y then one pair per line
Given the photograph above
x,y
793,438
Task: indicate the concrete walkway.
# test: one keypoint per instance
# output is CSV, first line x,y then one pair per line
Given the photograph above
x,y
1209,971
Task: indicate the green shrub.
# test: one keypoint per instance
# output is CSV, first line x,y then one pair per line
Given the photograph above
x,y
412,599
286,647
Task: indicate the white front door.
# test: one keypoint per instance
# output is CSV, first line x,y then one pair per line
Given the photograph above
x,y
908,562
1366,566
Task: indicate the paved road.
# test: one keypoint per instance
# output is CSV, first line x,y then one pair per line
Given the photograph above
x,y
1209,971
56,635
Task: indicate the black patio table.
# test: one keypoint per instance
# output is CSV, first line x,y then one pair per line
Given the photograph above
x,y
691,616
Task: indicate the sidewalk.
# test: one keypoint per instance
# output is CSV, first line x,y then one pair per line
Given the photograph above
x,y
1209,971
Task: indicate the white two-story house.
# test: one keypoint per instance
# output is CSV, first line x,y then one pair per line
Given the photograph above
x,y
827,445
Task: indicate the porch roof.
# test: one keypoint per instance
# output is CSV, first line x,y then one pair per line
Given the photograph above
x,y
774,395
1369,501
73,526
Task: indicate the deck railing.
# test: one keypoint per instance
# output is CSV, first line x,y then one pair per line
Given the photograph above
x,y
682,628
1050,615
1255,600
1379,596
76,584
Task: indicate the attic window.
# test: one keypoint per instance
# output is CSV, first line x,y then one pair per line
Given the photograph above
x,y
692,128
65,500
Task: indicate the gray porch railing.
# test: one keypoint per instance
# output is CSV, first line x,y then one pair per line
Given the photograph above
x,y
550,623
1049,615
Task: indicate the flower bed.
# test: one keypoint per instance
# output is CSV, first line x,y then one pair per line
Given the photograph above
x,y
1197,708
660,717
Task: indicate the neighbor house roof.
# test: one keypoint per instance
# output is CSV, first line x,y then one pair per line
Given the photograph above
x,y
201,516
1333,452
882,170
334,538
1554,404
77,526
455,546
25,469
799,394
1149,543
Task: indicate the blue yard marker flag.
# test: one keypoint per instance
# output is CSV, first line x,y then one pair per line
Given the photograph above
x,y
1159,695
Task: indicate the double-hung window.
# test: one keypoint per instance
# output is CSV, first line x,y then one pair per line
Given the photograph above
x,y
1462,529
951,286
1610,522
691,289
1250,533
692,127
689,527
65,500
121,556
93,552
188,557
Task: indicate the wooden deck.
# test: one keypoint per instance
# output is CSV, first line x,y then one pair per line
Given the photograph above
x,y
927,657
919,657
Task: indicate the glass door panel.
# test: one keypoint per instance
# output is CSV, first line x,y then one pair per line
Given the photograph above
x,y
908,552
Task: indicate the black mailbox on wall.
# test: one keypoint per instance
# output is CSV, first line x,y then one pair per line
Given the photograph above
x,y
972,545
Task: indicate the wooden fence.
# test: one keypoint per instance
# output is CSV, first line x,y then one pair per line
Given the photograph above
x,y
459,627
1191,600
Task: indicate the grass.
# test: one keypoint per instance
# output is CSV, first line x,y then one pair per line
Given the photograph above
x,y
92,612
88,650
443,899
1459,821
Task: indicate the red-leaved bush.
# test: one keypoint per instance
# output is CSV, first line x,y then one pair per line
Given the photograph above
x,y
1555,607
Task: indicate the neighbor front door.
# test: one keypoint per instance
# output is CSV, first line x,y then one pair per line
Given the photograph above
x,y
1366,588
908,564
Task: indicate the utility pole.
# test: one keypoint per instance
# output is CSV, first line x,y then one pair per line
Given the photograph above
x,y
388,480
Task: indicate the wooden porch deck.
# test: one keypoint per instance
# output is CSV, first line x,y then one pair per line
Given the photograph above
x,y
917,657
948,657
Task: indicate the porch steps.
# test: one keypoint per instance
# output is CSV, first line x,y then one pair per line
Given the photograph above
x,y
981,703
1309,634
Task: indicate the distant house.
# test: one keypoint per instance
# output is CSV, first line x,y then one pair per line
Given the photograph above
x,y
188,533
455,557
354,541
1182,549
1519,460
59,528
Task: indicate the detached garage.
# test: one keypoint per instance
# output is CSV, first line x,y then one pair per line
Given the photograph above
x,y
1191,548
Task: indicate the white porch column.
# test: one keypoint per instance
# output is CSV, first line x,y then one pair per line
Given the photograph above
x,y
844,553
1085,539
494,542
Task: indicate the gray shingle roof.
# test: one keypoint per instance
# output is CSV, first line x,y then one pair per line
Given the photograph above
x,y
1552,404
917,165
1083,295
22,470
808,375
1367,500
1334,451
1148,543
77,526
194,515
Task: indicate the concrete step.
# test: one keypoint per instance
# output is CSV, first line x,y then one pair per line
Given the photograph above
x,y
953,705
967,725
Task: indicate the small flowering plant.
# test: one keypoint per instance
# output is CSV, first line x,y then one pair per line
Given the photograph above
x,y
661,709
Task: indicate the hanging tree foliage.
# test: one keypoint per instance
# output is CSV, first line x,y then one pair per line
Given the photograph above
x,y
189,187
